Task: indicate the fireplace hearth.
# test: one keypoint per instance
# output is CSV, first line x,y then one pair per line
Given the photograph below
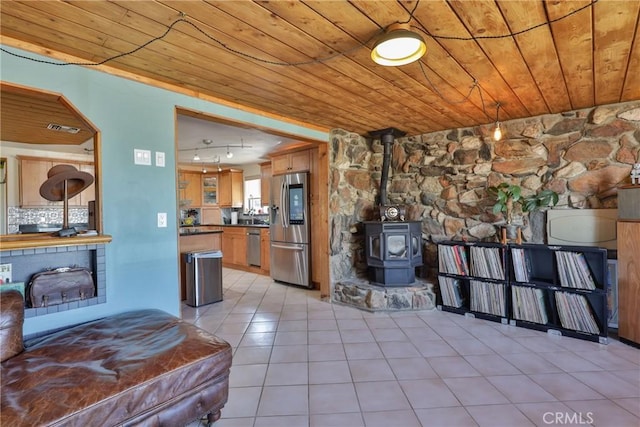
x,y
393,251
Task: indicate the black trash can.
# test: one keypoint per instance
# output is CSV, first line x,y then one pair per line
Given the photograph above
x,y
204,277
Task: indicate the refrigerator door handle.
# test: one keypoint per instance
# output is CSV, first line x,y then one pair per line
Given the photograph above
x,y
290,248
283,205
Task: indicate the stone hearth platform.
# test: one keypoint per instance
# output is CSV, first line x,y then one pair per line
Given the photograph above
x,y
362,294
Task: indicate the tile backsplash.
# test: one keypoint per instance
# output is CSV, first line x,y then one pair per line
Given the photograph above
x,y
17,216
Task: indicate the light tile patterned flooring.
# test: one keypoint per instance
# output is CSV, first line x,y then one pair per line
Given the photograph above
x,y
302,362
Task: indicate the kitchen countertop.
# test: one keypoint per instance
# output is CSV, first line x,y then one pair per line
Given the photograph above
x,y
41,240
215,228
189,231
245,225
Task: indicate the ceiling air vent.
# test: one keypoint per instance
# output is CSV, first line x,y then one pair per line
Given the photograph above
x,y
62,128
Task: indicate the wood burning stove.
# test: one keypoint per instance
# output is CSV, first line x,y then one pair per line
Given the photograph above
x,y
393,251
393,245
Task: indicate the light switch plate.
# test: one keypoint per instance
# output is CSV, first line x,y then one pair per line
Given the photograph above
x,y
162,219
142,157
160,159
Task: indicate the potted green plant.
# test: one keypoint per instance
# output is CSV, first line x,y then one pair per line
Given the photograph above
x,y
509,198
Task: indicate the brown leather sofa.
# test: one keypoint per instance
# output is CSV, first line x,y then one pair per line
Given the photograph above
x,y
136,368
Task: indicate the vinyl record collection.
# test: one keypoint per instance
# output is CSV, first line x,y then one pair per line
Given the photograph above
x,y
575,313
453,260
487,297
450,288
529,304
486,262
574,270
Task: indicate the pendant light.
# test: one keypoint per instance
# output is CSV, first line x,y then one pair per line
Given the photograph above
x,y
497,132
229,153
398,46
196,158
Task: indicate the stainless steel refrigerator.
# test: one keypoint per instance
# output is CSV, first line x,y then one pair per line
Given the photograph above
x,y
290,229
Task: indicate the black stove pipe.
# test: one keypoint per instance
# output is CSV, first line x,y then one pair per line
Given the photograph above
x,y
387,141
387,136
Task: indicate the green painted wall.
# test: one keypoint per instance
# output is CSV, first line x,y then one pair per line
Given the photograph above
x,y
142,265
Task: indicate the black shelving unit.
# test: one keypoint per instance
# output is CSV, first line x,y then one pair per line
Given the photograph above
x,y
556,289
473,279
578,311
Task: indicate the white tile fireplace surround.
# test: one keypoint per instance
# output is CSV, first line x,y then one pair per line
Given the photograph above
x,y
302,362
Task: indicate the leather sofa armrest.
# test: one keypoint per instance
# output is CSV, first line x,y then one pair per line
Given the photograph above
x,y
11,322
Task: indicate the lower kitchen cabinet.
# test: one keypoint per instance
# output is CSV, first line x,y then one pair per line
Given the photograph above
x,y
234,246
265,245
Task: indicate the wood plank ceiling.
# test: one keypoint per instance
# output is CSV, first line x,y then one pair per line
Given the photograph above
x,y
310,60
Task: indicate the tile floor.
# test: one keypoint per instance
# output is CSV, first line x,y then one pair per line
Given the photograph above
x,y
302,362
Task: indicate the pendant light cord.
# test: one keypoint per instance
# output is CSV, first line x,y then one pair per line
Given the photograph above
x,y
184,20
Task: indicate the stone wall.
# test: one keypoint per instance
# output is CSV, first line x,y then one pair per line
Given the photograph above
x,y
443,176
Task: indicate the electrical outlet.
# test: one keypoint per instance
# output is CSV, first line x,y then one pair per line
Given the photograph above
x,y
5,273
160,159
142,157
162,219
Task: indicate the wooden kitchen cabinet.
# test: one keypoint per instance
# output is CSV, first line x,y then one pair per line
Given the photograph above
x,y
234,246
265,183
210,215
190,184
89,194
231,188
265,250
298,161
33,172
629,280
209,189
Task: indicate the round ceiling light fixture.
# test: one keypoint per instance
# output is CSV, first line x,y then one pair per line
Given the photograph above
x,y
398,46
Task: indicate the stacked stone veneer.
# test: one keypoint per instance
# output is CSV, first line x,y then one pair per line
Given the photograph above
x,y
361,294
443,176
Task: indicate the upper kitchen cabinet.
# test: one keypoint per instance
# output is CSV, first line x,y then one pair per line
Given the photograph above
x,y
190,184
298,161
88,194
265,183
33,171
231,188
209,189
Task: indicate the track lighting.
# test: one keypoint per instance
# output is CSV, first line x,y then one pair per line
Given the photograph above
x,y
497,132
398,46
